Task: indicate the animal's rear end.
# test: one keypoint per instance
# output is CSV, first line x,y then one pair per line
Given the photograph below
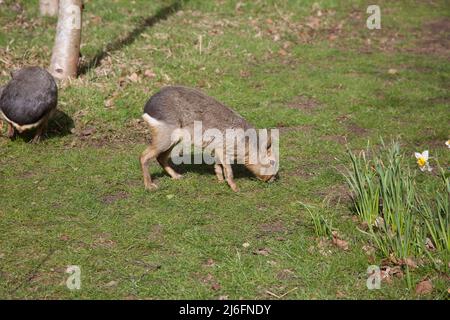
x,y
160,115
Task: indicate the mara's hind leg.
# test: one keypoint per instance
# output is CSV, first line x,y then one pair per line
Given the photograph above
x,y
40,131
219,172
11,132
163,160
148,154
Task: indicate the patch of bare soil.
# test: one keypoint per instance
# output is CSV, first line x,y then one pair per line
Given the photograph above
x,y
356,129
272,227
103,240
302,173
156,233
286,274
336,194
284,129
335,138
113,197
435,39
303,103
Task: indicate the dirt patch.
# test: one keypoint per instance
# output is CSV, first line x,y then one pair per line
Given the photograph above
x,y
113,197
304,170
103,240
28,174
336,194
352,127
284,129
156,233
303,103
335,138
435,38
272,227
356,129
286,274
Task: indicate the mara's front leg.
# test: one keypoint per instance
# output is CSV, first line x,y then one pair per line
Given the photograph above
x,y
40,131
219,172
228,172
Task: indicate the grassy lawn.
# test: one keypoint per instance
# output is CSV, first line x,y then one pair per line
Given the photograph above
x,y
312,70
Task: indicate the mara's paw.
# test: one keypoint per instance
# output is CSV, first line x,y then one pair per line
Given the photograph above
x,y
151,187
36,140
177,176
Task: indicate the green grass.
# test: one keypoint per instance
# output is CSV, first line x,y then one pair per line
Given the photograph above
x,y
74,200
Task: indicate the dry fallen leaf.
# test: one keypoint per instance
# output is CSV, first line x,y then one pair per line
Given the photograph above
x,y
244,73
424,287
313,23
282,52
87,132
133,77
149,74
385,276
410,263
111,284
215,286
341,244
246,245
392,71
338,242
210,263
109,103
262,251
429,244
64,237
368,249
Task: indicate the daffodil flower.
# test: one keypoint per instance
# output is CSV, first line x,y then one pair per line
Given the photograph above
x,y
422,160
447,143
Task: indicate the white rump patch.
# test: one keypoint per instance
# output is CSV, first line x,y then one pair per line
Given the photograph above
x,y
151,121
21,128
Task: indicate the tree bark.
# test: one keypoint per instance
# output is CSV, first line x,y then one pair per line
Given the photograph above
x,y
48,7
66,51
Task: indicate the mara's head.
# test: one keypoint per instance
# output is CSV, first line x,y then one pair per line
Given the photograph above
x,y
266,166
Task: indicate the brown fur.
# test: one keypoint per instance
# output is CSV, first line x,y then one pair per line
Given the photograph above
x,y
178,107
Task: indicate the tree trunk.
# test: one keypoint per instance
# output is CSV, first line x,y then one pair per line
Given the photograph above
x,y
66,51
48,7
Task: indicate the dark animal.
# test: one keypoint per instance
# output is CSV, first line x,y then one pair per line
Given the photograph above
x,y
28,101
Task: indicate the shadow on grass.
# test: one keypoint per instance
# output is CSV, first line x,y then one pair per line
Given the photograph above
x,y
122,42
239,171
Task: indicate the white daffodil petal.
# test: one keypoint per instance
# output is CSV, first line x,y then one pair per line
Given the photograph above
x,y
418,155
425,155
